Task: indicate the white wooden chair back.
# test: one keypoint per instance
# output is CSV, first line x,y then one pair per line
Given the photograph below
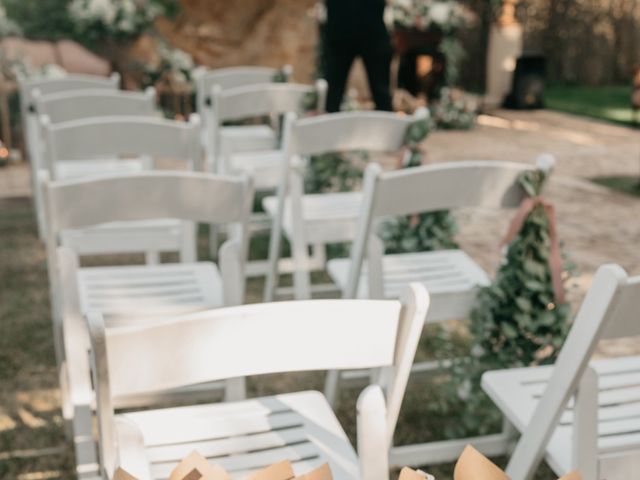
x,y
348,131
610,309
230,77
46,86
258,100
428,188
115,136
67,106
197,197
264,99
35,87
255,340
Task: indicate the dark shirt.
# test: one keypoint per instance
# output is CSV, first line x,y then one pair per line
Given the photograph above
x,y
349,18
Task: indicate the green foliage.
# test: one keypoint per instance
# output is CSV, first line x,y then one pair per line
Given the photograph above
x,y
40,19
516,322
334,172
427,231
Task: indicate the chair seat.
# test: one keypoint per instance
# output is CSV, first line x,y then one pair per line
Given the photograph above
x,y
150,290
247,138
162,235
265,167
88,168
242,437
517,393
327,217
451,276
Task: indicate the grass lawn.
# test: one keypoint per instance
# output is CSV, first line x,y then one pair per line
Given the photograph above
x,y
624,184
611,103
32,441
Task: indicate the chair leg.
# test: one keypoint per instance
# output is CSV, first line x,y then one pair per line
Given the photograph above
x,y
214,241
332,387
271,282
189,247
301,276
236,389
152,258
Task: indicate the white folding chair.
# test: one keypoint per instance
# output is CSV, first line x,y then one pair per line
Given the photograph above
x,y
253,340
79,104
90,141
318,219
29,89
451,276
264,166
254,137
580,414
135,295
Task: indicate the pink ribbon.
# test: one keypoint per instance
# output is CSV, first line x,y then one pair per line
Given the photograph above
x,y
555,259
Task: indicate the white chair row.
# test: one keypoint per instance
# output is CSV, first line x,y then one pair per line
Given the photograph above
x,y
140,298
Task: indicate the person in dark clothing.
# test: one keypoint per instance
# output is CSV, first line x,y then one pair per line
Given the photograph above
x,y
355,28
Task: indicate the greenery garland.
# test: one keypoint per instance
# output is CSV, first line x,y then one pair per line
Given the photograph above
x,y
426,231
516,322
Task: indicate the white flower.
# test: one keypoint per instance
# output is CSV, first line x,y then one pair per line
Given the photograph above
x,y
464,390
52,71
440,12
89,11
545,162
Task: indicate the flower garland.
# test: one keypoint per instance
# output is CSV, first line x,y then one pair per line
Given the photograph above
x,y
426,231
521,319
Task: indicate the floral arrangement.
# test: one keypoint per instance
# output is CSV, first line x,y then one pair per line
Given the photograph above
x,y
422,15
174,67
119,19
522,318
454,110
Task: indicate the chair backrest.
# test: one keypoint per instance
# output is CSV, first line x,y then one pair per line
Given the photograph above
x,y
74,105
230,77
264,99
345,131
46,86
610,308
429,188
115,136
35,87
254,340
197,197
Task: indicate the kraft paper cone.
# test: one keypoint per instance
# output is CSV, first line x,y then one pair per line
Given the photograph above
x,y
409,474
323,472
196,467
277,471
122,475
472,465
572,476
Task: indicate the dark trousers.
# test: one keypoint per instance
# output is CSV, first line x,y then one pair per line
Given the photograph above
x,y
339,54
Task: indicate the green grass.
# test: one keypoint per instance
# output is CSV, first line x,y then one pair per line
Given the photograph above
x,y
610,103
624,184
30,419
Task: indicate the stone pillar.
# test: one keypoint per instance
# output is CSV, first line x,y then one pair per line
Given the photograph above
x,y
505,46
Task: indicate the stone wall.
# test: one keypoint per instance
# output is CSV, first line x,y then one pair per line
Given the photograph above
x,y
585,41
221,33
